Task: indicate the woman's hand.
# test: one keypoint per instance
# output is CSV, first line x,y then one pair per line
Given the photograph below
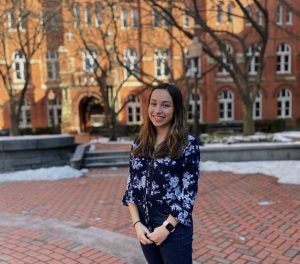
x,y
142,233
159,235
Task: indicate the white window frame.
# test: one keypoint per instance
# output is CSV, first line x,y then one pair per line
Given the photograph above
x,y
257,107
76,15
25,115
226,105
133,108
284,58
289,16
191,108
88,15
19,66
193,67
284,103
161,65
259,17
219,16
186,20
156,19
124,22
54,112
89,60
131,61
279,14
249,11
253,54
98,11
222,70
52,65
134,18
229,13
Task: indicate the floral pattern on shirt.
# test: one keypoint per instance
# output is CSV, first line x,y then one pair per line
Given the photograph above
x,y
169,184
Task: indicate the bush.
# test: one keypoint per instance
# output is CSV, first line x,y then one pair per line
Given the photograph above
x,y
278,125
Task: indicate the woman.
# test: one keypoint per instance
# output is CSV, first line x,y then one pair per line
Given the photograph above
x,y
163,180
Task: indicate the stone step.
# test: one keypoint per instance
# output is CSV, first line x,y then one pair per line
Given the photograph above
x,y
99,159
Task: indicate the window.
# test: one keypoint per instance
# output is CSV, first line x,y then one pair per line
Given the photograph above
x,y
52,65
284,103
279,14
89,60
50,20
259,17
284,58
76,15
161,63
25,116
88,15
193,67
253,56
159,20
133,110
186,20
131,63
19,66
249,12
224,57
225,105
54,112
289,16
229,13
124,23
194,104
219,13
98,10
257,107
134,18
13,23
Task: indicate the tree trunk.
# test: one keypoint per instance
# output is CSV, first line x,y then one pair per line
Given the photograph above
x,y
14,119
248,122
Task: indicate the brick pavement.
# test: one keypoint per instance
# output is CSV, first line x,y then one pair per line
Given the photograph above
x,y
238,219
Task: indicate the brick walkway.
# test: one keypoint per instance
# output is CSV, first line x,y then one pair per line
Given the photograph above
x,y
238,218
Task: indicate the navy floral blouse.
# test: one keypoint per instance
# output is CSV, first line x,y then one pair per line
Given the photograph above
x,y
170,185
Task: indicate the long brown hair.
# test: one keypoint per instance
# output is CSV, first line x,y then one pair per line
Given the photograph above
x,y
177,136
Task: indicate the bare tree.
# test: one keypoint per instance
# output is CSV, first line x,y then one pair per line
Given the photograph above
x,y
112,45
22,34
234,49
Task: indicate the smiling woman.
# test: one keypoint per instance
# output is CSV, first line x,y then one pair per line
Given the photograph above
x,y
163,180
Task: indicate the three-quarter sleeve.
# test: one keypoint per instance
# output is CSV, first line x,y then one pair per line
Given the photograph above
x,y
181,208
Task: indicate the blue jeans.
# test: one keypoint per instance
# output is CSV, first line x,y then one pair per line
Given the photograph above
x,y
176,249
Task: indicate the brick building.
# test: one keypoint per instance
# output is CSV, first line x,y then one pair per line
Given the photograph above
x,y
87,40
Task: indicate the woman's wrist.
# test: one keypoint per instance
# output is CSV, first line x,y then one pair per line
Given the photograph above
x,y
138,221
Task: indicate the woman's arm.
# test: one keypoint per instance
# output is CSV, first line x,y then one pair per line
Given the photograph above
x,y
142,231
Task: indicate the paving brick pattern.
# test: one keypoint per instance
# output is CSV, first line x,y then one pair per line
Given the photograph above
x,y
237,219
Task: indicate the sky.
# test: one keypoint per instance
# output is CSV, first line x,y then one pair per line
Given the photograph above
x,y
287,172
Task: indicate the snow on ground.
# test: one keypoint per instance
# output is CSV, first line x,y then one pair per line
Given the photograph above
x,y
286,171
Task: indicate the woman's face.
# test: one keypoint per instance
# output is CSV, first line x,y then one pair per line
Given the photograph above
x,y
161,108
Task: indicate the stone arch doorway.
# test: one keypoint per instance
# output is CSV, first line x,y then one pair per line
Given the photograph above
x,y
91,113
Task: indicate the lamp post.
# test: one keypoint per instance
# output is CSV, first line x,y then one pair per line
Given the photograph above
x,y
111,106
193,53
51,98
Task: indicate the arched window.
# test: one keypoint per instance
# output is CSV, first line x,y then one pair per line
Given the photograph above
x,y
229,13
133,110
98,10
54,112
284,54
131,63
219,13
224,57
284,103
226,104
194,104
25,116
257,107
